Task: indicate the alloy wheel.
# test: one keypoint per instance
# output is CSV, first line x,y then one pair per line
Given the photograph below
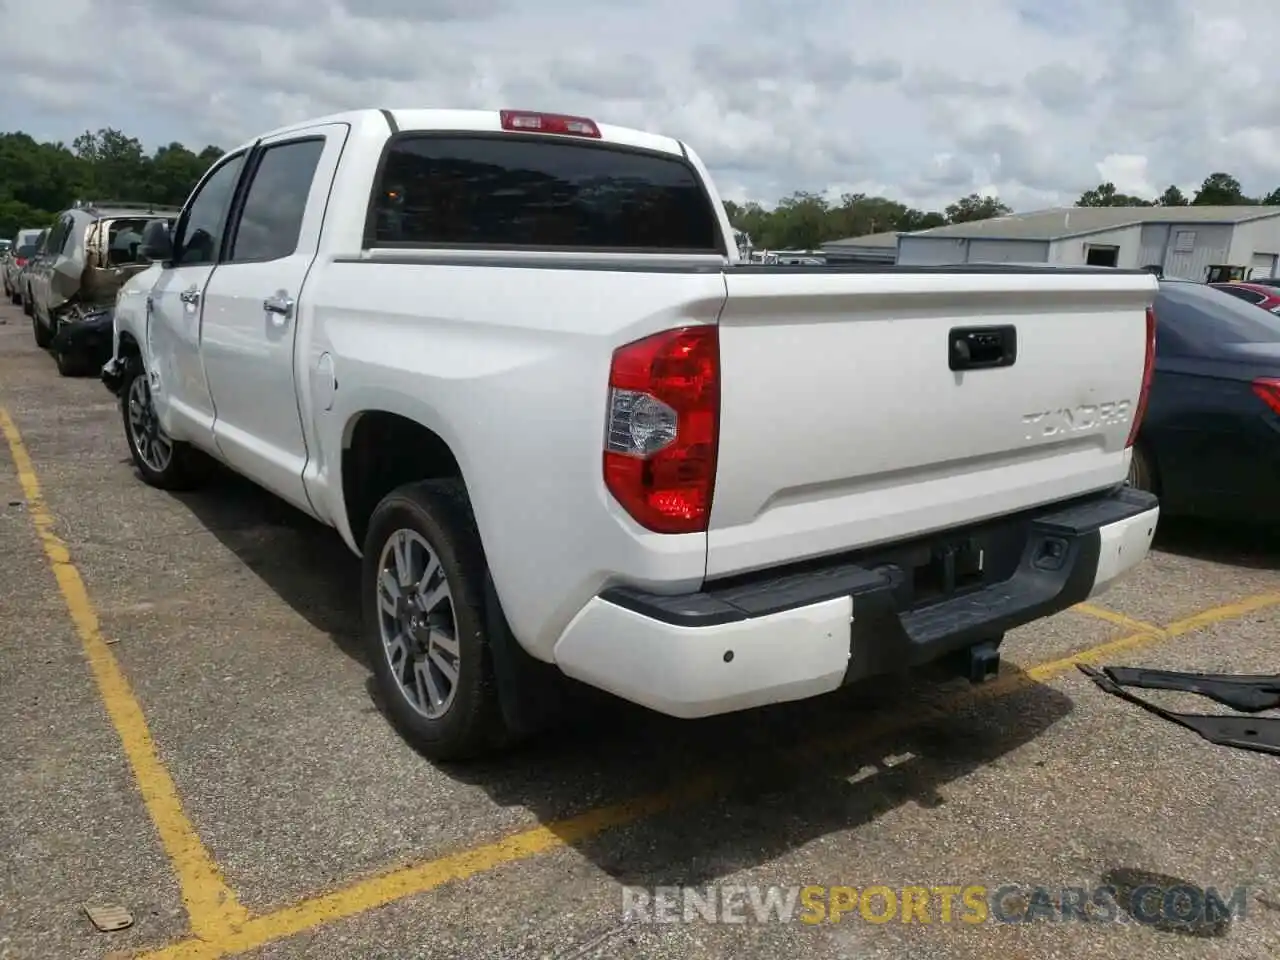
x,y
154,447
416,623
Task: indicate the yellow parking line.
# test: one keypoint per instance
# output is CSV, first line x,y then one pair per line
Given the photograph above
x,y
386,888
211,906
1119,619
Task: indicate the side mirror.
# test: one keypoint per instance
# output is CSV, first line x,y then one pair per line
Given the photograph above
x,y
157,242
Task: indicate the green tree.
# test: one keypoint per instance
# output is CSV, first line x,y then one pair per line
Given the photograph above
x,y
800,221
1220,190
976,207
806,220
1172,197
1272,199
1105,195
174,171
37,180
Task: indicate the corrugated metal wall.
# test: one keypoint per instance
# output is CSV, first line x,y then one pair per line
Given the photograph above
x,y
1008,251
1255,239
930,251
1151,247
1075,250
1209,244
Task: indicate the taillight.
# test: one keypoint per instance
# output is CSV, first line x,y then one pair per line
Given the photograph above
x,y
20,261
663,428
1148,371
532,122
1268,390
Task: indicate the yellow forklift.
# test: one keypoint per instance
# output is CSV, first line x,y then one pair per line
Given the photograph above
x,y
1223,273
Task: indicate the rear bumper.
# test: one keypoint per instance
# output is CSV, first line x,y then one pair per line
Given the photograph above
x,y
779,637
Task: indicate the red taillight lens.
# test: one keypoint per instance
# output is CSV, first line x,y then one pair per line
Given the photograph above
x,y
663,428
548,123
1268,390
1148,370
20,261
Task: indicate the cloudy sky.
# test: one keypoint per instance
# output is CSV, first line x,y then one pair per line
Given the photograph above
x,y
920,100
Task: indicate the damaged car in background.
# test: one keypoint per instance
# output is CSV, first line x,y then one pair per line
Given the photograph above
x,y
88,256
20,250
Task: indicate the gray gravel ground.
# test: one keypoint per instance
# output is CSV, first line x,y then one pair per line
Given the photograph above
x,y
234,620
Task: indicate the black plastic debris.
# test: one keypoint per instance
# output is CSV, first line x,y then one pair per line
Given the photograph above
x,y
1247,693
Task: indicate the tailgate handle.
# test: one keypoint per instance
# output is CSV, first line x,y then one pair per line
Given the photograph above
x,y
980,348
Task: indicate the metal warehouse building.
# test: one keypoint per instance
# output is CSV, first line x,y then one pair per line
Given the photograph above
x,y
873,248
1182,241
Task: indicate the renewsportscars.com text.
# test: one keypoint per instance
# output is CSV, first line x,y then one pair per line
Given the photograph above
x,y
969,904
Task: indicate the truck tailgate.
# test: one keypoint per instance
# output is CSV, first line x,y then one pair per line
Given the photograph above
x,y
843,424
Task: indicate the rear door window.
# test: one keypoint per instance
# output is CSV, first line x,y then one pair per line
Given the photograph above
x,y
271,220
518,192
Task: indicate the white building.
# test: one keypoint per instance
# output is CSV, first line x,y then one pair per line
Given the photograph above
x,y
873,248
1182,242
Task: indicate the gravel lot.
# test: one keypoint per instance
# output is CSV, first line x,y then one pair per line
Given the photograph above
x,y
190,734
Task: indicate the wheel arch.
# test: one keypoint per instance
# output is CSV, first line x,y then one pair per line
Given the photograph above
x,y
382,449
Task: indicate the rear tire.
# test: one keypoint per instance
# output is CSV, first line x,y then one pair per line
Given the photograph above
x,y
433,666
185,467
1142,475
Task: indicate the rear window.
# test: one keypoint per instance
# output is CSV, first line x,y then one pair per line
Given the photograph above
x,y
1241,293
123,237
26,250
463,191
1197,314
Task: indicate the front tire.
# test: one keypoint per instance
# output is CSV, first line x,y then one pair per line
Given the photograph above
x,y
43,337
70,364
422,581
164,463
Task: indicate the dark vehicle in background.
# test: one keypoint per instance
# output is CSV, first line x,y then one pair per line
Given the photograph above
x,y
15,259
89,254
1209,446
1258,294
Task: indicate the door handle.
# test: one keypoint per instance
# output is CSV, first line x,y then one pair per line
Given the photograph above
x,y
190,296
981,348
281,305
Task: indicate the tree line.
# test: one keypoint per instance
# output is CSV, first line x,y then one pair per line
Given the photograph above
x,y
38,180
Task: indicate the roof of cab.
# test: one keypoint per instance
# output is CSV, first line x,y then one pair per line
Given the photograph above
x,y
487,121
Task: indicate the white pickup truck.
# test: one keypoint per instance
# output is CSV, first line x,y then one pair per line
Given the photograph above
x,y
515,361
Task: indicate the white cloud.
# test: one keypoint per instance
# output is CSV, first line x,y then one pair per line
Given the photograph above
x,y
1129,172
925,100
